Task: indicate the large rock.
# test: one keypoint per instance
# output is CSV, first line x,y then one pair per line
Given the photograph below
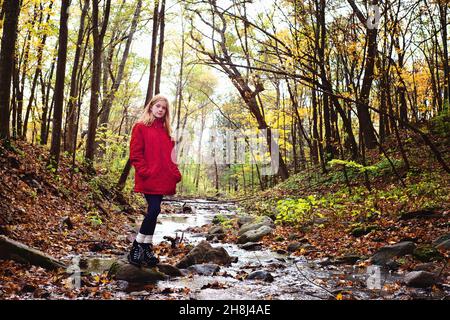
x,y
251,246
384,254
206,269
260,275
441,239
426,253
254,235
428,266
444,245
347,259
216,230
256,224
169,270
205,253
420,279
294,246
122,270
245,218
17,251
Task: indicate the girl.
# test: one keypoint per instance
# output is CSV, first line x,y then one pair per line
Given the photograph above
x,y
156,174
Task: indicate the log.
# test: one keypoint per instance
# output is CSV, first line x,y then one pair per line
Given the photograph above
x,y
14,250
420,214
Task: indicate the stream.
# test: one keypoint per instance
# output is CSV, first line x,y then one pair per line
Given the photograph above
x,y
294,277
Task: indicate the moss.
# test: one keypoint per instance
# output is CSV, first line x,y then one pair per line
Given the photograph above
x,y
426,253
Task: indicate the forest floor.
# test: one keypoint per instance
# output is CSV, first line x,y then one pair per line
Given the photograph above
x,y
72,212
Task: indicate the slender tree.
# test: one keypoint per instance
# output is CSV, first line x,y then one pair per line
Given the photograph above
x,y
11,17
98,36
59,86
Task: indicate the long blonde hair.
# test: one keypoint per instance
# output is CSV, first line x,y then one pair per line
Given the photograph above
x,y
147,116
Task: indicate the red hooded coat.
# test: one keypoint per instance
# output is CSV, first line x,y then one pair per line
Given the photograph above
x,y
151,155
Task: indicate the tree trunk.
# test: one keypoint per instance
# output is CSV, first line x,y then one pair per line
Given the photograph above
x,y
59,86
151,80
12,10
23,133
365,122
73,94
443,9
110,95
10,249
161,46
98,37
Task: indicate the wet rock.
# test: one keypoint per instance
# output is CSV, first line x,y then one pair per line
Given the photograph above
x,y
260,275
122,270
444,245
216,230
28,288
293,246
363,230
218,219
441,239
204,253
254,235
420,279
95,264
393,265
256,224
426,253
204,269
309,247
327,261
292,236
384,254
425,267
169,270
347,259
215,237
121,285
243,219
199,235
187,208
251,246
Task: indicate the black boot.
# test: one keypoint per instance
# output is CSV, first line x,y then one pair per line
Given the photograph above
x,y
149,259
136,254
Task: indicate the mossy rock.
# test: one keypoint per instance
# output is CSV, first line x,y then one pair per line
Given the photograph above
x,y
363,230
426,253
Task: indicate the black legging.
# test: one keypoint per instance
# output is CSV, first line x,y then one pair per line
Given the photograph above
x,y
154,208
